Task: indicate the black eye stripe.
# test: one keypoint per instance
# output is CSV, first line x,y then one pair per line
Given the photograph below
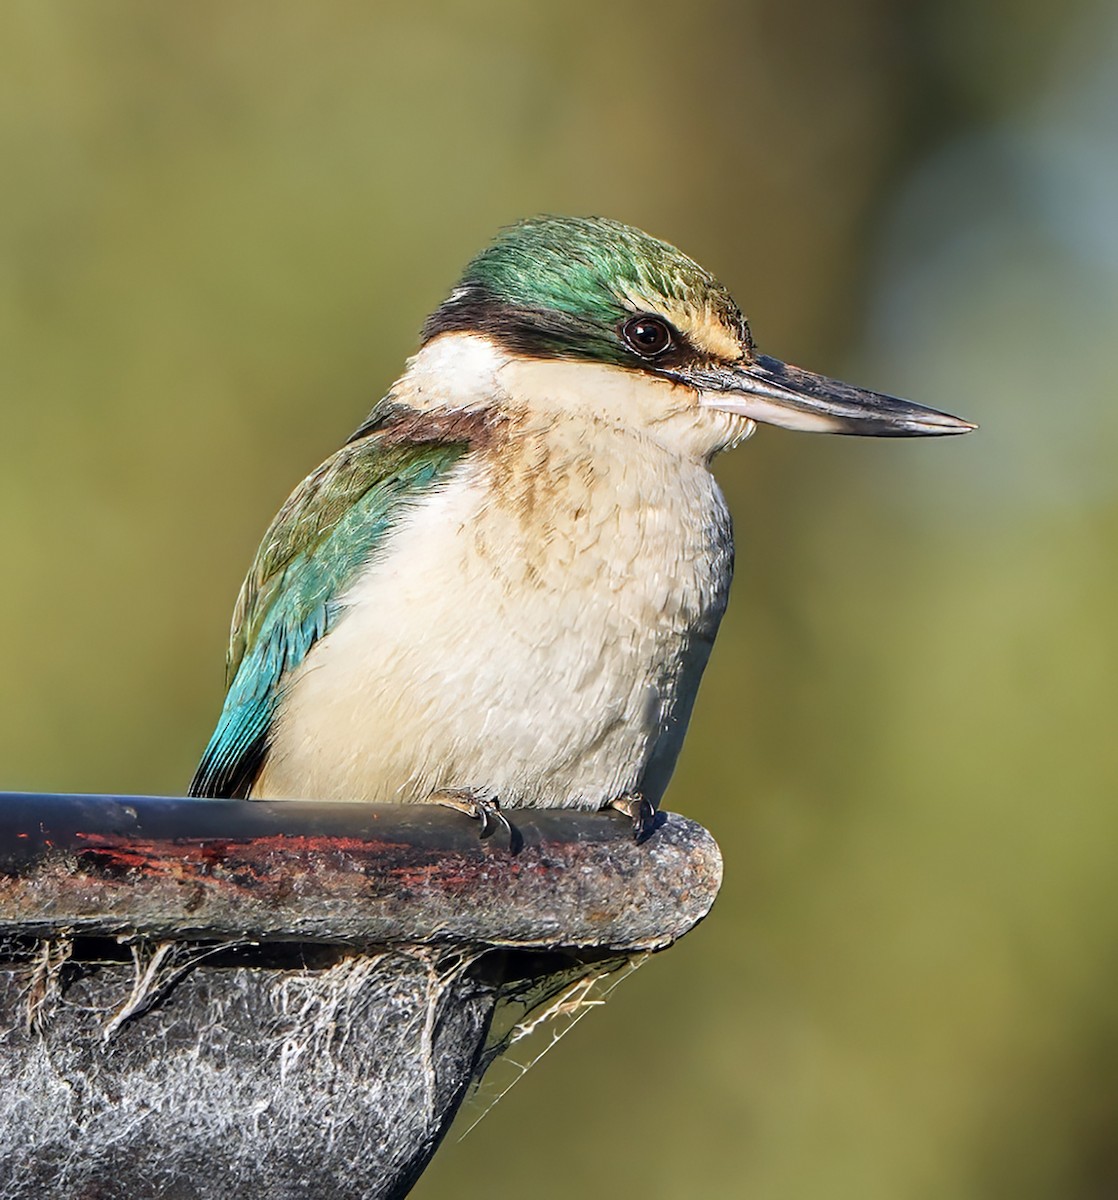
x,y
648,335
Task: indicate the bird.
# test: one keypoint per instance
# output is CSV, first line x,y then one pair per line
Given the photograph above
x,y
502,591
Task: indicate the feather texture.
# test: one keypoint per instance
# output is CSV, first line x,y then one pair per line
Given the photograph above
x,y
536,626
324,535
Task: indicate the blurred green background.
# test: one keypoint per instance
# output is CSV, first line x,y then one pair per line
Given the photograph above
x,y
221,226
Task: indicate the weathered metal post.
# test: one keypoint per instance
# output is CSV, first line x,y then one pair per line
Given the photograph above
x,y
206,998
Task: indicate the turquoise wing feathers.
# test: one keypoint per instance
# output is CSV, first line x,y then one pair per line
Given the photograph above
x,y
328,529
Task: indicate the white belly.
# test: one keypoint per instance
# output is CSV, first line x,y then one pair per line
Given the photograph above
x,y
537,633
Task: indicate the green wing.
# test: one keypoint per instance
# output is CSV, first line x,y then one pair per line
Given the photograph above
x,y
329,528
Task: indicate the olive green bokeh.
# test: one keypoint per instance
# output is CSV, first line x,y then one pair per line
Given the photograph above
x,y
220,230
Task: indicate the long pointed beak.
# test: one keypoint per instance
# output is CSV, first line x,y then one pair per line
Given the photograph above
x,y
776,393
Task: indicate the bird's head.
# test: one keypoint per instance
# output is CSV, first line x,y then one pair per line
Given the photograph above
x,y
589,312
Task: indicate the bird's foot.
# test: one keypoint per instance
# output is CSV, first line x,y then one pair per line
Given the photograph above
x,y
639,810
481,805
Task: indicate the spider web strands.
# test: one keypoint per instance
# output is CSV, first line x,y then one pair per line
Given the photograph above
x,y
545,1019
292,990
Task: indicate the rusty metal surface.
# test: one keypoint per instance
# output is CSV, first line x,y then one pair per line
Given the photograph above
x,y
346,873
304,991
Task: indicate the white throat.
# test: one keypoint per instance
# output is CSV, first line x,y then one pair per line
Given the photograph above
x,y
470,371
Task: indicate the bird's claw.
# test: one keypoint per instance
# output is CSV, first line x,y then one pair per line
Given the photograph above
x,y
492,818
481,806
639,810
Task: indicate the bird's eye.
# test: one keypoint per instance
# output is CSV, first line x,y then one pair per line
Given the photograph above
x,y
647,336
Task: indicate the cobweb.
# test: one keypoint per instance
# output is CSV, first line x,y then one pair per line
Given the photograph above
x,y
533,1019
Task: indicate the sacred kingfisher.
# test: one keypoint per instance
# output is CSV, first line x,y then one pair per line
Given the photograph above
x,y
504,588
